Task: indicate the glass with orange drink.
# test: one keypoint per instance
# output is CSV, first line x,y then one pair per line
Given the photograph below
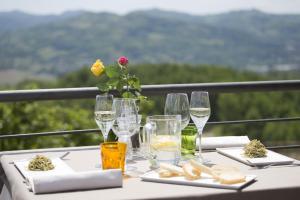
x,y
113,155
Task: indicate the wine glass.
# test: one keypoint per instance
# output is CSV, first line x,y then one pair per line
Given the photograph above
x,y
127,122
178,104
200,112
135,139
104,115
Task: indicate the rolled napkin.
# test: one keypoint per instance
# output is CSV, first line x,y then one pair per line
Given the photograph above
x,y
223,142
75,181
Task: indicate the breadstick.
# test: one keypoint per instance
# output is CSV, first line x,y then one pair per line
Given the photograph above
x,y
172,168
231,177
190,172
163,173
202,168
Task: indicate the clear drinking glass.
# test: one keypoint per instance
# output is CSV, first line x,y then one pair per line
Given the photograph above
x,y
127,122
164,132
104,115
200,112
178,104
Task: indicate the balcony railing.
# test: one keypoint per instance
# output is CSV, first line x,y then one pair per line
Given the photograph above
x,y
151,90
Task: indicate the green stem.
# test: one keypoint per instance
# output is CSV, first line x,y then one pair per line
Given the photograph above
x,y
127,85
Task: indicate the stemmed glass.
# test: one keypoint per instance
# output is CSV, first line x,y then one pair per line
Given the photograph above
x,y
135,140
200,112
104,115
178,104
127,122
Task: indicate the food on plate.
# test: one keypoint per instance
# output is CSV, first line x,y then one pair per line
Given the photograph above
x,y
191,172
224,174
40,163
163,173
202,167
231,177
255,149
172,168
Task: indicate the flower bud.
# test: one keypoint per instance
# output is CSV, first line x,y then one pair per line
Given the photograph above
x,y
123,61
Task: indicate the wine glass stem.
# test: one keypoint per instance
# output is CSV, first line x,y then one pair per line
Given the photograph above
x,y
105,137
200,145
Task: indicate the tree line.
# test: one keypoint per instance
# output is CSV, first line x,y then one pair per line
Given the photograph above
x,y
32,117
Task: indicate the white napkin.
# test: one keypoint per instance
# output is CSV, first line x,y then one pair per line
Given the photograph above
x,y
75,181
223,142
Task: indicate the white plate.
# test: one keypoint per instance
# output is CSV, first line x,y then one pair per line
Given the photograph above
x,y
272,157
205,181
60,167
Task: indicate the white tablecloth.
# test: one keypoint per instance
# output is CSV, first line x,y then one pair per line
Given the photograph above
x,y
274,183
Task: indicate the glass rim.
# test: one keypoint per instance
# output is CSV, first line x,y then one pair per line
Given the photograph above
x,y
111,143
200,91
178,93
160,117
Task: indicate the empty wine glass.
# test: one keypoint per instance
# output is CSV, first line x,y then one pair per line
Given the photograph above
x,y
126,123
135,139
104,115
178,104
200,112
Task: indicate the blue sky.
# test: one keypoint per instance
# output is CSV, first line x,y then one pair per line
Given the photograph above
x,y
124,6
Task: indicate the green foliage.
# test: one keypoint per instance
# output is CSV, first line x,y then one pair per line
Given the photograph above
x,y
32,117
227,106
28,117
113,71
261,105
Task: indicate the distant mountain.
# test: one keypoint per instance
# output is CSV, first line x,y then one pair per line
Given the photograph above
x,y
239,39
17,20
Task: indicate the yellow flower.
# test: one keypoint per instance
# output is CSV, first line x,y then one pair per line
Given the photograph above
x,y
97,68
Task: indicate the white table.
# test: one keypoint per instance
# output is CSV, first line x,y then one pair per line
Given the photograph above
x,y
280,182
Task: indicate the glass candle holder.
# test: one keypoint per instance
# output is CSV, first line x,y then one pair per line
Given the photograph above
x,y
188,140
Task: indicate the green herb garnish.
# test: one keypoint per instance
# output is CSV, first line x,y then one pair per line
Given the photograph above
x,y
255,149
40,163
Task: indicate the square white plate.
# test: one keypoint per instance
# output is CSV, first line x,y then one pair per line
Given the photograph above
x,y
205,181
272,157
60,167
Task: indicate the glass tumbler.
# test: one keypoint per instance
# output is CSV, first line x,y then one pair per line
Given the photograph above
x,y
113,155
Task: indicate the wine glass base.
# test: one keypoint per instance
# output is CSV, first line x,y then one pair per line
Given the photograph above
x,y
139,155
202,160
186,158
130,168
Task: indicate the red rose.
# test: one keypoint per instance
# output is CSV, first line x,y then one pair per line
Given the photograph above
x,y
123,61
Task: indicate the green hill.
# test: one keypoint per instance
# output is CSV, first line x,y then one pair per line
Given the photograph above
x,y
15,20
240,39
